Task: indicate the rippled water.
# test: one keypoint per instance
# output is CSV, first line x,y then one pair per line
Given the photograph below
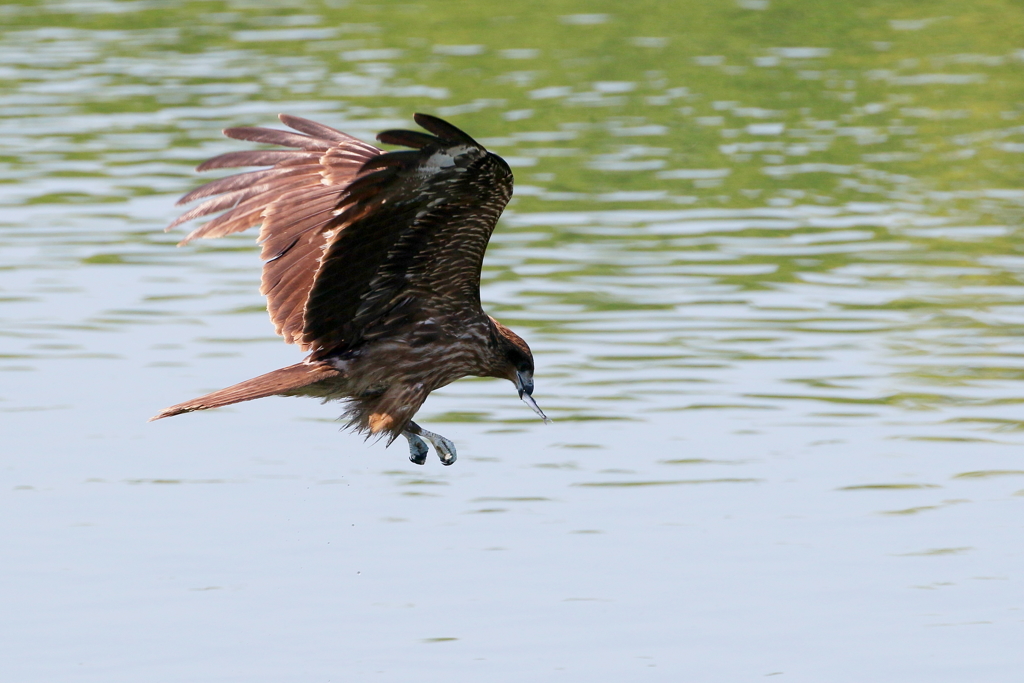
x,y
768,254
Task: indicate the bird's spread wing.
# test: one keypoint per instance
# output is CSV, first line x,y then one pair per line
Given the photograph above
x,y
357,242
293,201
409,239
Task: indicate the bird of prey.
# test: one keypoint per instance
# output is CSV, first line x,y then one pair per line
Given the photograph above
x,y
371,264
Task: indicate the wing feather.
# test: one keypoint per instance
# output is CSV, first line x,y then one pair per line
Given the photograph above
x,y
235,182
445,131
319,130
272,136
293,201
258,157
411,234
357,243
406,138
247,207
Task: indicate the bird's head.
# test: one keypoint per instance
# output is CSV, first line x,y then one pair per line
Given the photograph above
x,y
516,365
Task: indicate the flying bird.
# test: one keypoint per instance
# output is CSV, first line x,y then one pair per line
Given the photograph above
x,y
372,265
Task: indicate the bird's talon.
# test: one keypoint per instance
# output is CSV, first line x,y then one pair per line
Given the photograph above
x,y
444,447
445,450
418,449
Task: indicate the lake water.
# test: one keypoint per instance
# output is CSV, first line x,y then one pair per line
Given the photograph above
x,y
769,255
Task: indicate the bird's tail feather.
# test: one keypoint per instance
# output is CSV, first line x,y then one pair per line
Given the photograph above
x,y
279,381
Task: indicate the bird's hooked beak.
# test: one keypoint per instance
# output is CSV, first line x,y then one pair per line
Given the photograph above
x,y
524,383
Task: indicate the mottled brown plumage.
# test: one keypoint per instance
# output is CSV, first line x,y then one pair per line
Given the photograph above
x,y
372,265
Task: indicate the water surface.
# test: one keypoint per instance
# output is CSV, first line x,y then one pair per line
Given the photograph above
x,y
768,255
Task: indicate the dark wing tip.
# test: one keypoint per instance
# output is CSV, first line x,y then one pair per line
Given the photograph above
x,y
444,130
400,159
407,138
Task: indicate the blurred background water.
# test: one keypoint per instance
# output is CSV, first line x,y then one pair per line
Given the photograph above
x,y
768,254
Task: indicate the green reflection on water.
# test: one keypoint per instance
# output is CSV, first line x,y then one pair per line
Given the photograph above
x,y
985,474
691,102
668,482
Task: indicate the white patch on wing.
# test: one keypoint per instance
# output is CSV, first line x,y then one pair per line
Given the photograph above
x,y
444,158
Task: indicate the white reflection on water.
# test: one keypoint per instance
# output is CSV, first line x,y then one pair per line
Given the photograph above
x,y
790,467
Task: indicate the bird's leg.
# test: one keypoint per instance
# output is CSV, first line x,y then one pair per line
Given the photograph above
x,y
418,450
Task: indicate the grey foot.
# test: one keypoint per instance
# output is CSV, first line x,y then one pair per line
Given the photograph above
x,y
417,448
445,448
